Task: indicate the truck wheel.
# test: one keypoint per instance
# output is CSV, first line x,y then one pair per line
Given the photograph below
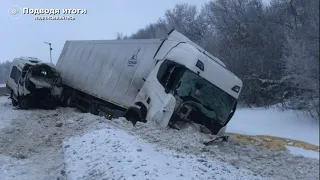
x,y
132,114
93,109
23,103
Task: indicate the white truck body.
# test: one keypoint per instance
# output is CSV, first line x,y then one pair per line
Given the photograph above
x,y
102,68
126,72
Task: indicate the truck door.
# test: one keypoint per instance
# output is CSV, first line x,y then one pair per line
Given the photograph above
x,y
155,93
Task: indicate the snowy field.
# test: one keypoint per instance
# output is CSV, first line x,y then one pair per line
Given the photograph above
x,y
7,114
287,124
2,85
65,144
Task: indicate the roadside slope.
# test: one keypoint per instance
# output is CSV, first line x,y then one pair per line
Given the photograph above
x,y
31,147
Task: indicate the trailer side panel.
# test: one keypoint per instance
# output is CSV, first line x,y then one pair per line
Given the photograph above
x,y
111,70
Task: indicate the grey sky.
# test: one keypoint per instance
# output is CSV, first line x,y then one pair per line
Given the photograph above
x,y
25,36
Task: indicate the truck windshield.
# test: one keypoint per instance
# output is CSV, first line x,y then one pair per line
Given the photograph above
x,y
209,99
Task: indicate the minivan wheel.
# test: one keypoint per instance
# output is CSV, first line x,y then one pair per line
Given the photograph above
x,y
13,101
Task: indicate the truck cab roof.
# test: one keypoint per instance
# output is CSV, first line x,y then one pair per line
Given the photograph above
x,y
180,49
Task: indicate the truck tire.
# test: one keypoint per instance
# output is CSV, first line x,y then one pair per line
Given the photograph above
x,y
132,114
142,112
24,103
93,109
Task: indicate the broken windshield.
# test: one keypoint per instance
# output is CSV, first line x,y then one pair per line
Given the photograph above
x,y
212,101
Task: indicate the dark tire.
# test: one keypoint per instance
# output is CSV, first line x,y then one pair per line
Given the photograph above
x,y
132,114
64,97
93,109
50,104
24,103
13,101
142,112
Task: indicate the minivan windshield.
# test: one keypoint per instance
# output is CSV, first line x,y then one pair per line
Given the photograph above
x,y
211,100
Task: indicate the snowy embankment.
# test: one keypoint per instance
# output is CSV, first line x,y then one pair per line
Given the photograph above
x,y
31,148
274,122
7,114
100,153
115,154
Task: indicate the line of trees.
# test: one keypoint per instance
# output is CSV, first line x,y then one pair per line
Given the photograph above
x,y
4,70
273,48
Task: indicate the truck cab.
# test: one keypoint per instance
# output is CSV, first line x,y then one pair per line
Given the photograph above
x,y
188,85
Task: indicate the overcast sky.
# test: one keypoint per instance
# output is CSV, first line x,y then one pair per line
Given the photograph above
x,y
25,36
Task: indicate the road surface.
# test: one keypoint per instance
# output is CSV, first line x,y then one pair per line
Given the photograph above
x,y
3,90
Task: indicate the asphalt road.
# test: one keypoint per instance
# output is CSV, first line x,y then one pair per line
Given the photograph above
x,y
3,91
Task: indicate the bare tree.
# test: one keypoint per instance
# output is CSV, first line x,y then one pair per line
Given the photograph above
x,y
274,49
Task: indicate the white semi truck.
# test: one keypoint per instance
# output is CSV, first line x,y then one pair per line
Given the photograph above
x,y
169,81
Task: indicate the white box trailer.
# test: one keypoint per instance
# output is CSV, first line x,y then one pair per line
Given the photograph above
x,y
166,80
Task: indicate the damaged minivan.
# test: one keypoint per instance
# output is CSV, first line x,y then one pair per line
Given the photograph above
x,y
34,84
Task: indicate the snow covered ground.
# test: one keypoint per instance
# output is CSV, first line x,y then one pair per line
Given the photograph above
x,y
303,152
2,85
287,124
115,154
63,143
7,114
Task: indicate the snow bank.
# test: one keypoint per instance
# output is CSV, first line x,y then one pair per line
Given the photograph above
x,y
22,169
2,85
7,113
303,152
274,122
115,154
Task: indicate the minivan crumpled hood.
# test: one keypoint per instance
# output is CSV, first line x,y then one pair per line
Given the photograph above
x,y
41,83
